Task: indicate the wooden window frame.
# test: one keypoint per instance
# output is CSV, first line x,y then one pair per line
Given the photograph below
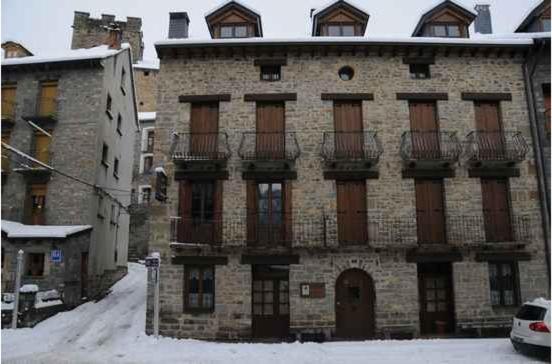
x,y
500,281
28,261
233,26
201,187
415,72
447,32
200,309
341,25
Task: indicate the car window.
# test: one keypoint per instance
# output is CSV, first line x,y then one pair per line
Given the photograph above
x,y
531,313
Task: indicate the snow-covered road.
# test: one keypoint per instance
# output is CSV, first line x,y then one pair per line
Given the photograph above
x,y
112,331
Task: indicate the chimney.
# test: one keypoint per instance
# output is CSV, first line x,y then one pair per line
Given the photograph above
x,y
483,23
178,25
114,36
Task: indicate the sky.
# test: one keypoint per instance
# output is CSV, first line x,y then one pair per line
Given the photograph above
x,y
44,26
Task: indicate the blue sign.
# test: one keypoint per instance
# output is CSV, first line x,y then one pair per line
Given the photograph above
x,y
57,256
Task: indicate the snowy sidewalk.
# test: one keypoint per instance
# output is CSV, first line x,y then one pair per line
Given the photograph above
x,y
112,331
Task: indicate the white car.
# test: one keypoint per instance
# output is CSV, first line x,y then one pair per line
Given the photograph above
x,y
531,328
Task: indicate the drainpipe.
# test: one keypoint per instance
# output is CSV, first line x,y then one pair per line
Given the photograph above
x,y
528,71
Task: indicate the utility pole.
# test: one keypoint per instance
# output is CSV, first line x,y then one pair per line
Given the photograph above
x,y
15,312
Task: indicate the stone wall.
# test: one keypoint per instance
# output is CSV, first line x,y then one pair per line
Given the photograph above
x,y
89,32
146,88
309,75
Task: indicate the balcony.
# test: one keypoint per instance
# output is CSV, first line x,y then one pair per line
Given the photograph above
x,y
37,170
430,149
8,113
200,153
269,154
495,148
346,152
42,111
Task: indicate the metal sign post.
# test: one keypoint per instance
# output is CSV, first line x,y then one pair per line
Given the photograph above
x,y
15,311
154,262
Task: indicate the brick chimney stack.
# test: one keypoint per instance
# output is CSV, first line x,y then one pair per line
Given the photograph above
x,y
113,36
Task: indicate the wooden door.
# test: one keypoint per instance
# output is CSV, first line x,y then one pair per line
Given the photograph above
x,y
270,138
436,298
84,274
42,147
430,211
496,209
38,204
349,136
270,302
48,98
490,140
204,130
354,305
351,212
8,101
425,130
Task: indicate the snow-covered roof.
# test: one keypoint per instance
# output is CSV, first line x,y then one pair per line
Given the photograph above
x,y
99,52
333,2
17,230
537,35
150,115
149,64
528,13
238,2
346,40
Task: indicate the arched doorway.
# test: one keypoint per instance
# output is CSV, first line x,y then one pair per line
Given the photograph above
x,y
354,305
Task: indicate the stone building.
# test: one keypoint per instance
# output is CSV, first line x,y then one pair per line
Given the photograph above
x,y
536,25
75,115
353,187
90,32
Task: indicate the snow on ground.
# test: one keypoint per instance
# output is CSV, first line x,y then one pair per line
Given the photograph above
x,y
112,331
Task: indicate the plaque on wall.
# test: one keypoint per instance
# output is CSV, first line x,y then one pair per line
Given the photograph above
x,y
313,290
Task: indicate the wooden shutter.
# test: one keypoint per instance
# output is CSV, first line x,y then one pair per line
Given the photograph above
x,y
217,214
251,203
496,209
185,210
349,137
351,212
288,218
425,130
270,141
48,98
42,147
204,129
487,121
430,212
8,101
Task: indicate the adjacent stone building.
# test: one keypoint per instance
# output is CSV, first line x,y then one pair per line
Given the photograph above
x,y
351,187
72,119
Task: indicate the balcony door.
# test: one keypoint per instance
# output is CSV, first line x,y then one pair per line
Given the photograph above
x,y
349,137
42,147
37,202
270,138
351,212
204,130
430,211
490,142
200,205
496,209
425,130
8,101
48,97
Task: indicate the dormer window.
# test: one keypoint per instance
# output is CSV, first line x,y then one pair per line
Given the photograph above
x,y
234,20
537,20
545,24
339,19
233,31
446,20
341,30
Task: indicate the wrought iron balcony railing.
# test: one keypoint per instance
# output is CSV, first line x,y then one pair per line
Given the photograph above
x,y
346,229
41,109
430,146
269,146
8,110
495,146
40,164
351,146
200,147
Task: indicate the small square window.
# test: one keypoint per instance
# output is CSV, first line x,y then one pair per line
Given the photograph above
x,y
146,73
34,266
148,164
419,71
545,24
146,195
270,73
